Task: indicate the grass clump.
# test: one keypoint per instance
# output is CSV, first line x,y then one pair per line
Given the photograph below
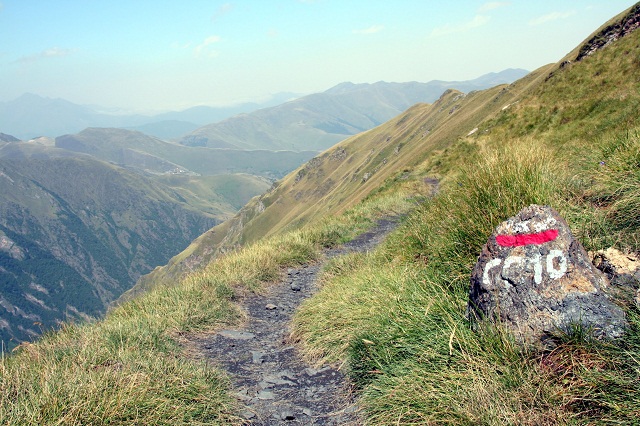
x,y
397,316
449,232
130,368
616,189
81,376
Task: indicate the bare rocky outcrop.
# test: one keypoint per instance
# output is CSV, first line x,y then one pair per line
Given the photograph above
x,y
629,23
535,279
623,272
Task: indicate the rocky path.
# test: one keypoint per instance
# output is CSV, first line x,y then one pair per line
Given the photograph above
x,y
275,385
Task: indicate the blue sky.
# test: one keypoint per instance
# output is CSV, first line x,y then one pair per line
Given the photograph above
x,y
168,55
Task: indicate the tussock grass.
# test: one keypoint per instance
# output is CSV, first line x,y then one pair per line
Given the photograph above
x,y
130,369
397,316
123,370
617,189
450,231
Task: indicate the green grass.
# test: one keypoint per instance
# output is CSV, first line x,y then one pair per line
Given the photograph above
x,y
124,370
616,190
131,368
398,315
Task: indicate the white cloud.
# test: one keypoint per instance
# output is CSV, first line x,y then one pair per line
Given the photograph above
x,y
221,11
493,5
53,52
204,48
553,16
477,21
371,30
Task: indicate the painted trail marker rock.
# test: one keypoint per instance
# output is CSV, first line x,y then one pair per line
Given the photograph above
x,y
537,280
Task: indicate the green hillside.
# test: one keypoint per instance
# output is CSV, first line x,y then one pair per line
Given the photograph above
x,y
77,232
344,175
393,318
318,121
139,151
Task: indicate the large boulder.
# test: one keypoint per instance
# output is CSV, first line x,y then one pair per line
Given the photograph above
x,y
536,279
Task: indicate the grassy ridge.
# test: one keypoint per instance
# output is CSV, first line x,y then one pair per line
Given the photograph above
x,y
140,151
397,316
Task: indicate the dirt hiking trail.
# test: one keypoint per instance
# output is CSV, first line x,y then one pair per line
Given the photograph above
x,y
275,385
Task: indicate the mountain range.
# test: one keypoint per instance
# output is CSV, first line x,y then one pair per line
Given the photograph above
x,y
31,116
88,213
76,231
134,149
318,121
350,171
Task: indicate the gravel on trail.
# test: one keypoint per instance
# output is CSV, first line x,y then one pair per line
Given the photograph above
x,y
270,379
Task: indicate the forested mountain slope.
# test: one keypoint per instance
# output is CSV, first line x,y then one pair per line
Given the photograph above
x,y
76,232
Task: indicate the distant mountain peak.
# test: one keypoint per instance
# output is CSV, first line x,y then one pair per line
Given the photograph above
x,y
345,87
508,75
28,96
8,138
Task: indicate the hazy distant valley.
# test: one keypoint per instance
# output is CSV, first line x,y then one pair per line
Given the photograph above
x,y
90,203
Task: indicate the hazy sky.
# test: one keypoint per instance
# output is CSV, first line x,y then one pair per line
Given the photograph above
x,y
171,54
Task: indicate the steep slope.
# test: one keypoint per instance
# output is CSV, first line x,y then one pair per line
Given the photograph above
x,y
397,319
75,233
137,150
344,175
583,97
543,102
318,121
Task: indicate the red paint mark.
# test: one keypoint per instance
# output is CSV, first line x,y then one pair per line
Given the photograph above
x,y
526,239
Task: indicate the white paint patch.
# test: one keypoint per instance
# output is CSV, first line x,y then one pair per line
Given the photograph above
x,y
549,223
491,264
521,227
550,262
562,264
